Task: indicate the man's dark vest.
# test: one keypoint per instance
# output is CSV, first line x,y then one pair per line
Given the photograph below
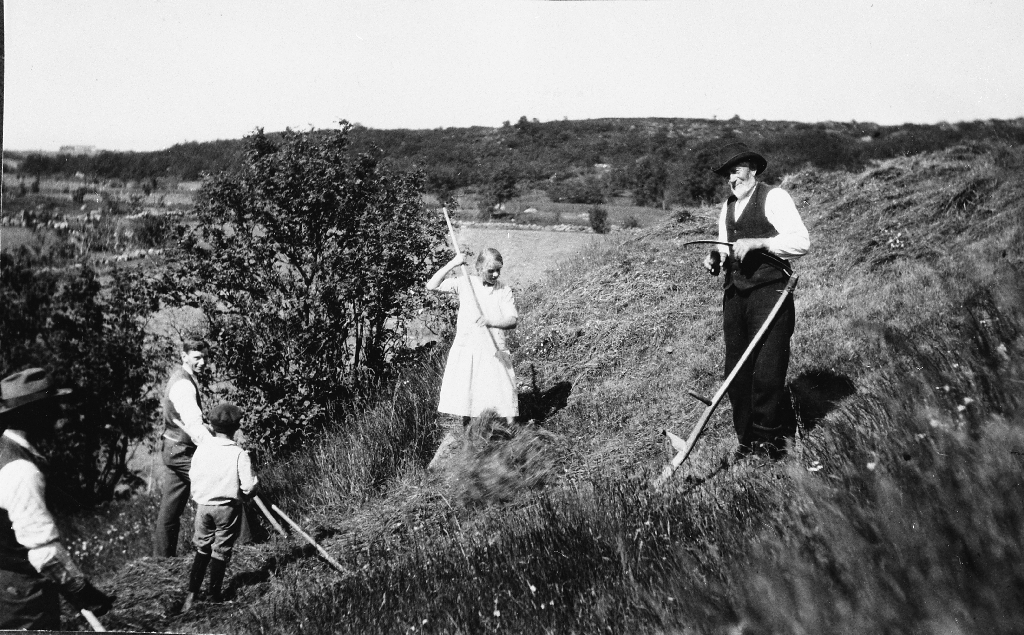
x,y
13,555
172,430
757,268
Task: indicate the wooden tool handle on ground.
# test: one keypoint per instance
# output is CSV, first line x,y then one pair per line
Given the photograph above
x,y
94,622
270,517
323,552
669,469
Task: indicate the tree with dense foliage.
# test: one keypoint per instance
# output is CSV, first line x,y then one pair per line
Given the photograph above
x,y
91,336
501,188
648,180
309,261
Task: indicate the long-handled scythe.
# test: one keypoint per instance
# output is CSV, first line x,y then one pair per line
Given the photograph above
x,y
682,447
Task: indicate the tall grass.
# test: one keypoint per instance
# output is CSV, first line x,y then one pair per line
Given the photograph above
x,y
382,437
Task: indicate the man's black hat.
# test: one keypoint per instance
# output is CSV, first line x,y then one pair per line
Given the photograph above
x,y
734,153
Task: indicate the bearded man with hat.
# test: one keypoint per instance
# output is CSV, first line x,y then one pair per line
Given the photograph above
x,y
767,234
34,565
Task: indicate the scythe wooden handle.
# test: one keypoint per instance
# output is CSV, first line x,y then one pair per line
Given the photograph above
x,y
684,452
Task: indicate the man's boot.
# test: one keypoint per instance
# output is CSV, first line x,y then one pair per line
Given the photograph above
x,y
217,569
195,579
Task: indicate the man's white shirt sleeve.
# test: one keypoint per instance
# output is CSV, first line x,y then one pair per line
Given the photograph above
x,y
793,239
183,395
23,497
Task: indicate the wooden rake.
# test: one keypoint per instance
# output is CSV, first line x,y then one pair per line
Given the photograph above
x,y
472,289
683,447
337,566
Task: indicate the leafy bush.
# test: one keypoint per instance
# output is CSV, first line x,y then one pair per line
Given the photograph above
x,y
153,230
501,187
598,217
309,260
648,180
91,338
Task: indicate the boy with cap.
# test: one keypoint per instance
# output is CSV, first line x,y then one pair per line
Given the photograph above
x,y
34,565
221,475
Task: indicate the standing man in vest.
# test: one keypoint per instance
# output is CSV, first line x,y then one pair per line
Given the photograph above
x,y
767,232
183,431
34,565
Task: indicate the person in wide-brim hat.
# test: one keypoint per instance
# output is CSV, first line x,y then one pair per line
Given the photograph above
x,y
26,387
35,566
734,153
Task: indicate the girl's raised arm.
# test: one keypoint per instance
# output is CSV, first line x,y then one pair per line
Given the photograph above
x,y
435,280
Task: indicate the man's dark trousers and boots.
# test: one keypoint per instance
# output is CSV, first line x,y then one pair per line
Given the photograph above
x,y
177,457
758,389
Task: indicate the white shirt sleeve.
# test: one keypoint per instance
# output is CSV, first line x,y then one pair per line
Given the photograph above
x,y
793,240
183,395
22,495
247,481
723,233
507,304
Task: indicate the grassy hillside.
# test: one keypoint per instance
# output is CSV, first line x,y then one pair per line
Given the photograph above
x,y
899,508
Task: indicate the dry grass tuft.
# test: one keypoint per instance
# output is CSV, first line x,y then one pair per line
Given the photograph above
x,y
500,460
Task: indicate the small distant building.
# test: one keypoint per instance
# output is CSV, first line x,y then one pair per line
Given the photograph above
x,y
78,150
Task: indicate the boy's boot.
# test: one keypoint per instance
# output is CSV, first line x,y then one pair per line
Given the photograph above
x,y
217,569
195,579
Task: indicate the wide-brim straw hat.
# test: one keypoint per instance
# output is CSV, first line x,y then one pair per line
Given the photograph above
x,y
27,386
734,153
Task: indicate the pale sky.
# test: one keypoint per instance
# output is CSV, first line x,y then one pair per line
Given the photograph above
x,y
144,75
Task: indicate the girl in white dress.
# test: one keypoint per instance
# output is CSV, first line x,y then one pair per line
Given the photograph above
x,y
478,374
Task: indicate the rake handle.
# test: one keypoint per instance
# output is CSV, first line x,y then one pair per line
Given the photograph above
x,y
94,622
323,552
472,289
269,516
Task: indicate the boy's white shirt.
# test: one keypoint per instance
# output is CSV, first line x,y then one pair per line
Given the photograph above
x,y
221,472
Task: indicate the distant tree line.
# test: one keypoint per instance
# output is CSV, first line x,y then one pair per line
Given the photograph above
x,y
659,161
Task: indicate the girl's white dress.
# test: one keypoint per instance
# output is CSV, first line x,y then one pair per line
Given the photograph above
x,y
478,374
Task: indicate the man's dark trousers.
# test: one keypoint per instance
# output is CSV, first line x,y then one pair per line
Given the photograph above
x,y
758,389
175,486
